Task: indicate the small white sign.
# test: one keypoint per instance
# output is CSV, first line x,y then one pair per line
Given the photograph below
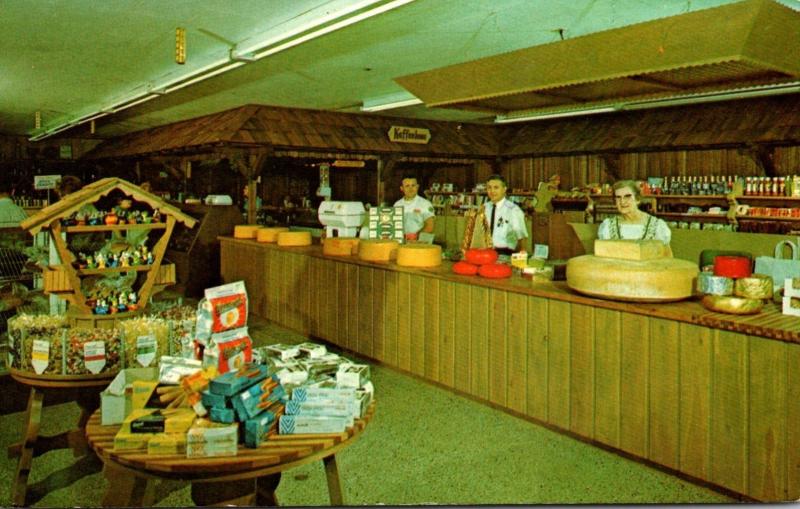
x,y
94,356
146,350
541,251
40,356
46,181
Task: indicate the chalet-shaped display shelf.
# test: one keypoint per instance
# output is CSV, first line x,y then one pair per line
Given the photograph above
x,y
65,280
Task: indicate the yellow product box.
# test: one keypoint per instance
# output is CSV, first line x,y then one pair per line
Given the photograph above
x,y
127,441
519,260
208,439
177,420
167,443
142,392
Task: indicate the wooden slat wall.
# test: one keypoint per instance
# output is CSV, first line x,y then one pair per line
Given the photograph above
x,y
717,405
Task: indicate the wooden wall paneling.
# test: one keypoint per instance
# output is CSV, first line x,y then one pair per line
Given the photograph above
x,y
462,341
367,307
792,419
538,375
729,416
787,160
558,357
767,430
327,298
431,329
498,331
517,353
452,238
479,342
417,316
311,316
378,314
664,416
447,333
273,284
288,290
634,353
263,274
301,268
581,370
278,259
341,331
404,322
695,395
352,312
607,376
391,318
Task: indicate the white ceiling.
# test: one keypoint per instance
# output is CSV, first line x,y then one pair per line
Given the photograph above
x,y
71,58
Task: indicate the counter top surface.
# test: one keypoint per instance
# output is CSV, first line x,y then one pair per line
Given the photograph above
x,y
770,323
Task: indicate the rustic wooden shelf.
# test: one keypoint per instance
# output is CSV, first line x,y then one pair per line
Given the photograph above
x,y
769,218
135,268
114,227
682,215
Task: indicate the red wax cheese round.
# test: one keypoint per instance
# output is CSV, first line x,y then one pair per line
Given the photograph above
x,y
480,256
732,266
465,268
495,271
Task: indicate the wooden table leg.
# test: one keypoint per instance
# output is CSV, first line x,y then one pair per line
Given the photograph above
x,y
334,486
33,419
228,493
265,490
127,490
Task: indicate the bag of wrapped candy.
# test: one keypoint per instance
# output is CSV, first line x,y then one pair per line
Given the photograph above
x,y
227,305
228,350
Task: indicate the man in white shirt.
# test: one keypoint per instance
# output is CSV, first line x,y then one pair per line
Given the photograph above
x,y
506,220
10,213
417,211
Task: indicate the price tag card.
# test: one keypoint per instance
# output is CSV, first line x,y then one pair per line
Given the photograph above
x,y
94,356
146,347
40,355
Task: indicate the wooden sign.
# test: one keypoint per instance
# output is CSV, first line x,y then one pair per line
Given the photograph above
x,y
403,134
348,164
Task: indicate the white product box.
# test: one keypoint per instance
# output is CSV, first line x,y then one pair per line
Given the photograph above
x,y
115,405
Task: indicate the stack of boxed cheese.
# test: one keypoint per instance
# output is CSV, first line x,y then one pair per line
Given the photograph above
x,y
732,287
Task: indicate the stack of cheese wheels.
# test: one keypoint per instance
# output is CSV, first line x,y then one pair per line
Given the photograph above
x,y
732,288
474,259
270,234
340,246
293,239
632,270
419,255
378,250
245,231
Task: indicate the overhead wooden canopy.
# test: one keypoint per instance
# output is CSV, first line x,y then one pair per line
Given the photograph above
x,y
753,42
91,193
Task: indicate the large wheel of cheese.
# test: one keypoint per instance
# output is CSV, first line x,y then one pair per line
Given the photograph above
x,y
378,250
419,255
270,234
665,279
245,231
294,239
340,246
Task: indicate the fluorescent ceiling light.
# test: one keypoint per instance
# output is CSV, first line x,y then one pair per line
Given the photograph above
x,y
506,119
390,102
727,95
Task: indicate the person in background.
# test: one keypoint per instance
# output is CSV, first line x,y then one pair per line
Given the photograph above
x,y
10,213
68,185
632,223
506,219
245,194
417,211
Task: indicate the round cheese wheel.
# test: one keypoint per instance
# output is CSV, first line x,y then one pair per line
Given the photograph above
x,y
270,234
478,256
733,305
707,282
245,231
378,250
340,246
757,286
732,266
293,239
495,270
662,279
419,255
465,268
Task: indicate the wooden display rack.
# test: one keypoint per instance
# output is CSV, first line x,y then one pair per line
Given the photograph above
x,y
65,280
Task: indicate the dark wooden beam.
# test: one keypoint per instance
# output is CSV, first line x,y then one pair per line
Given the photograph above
x,y
612,162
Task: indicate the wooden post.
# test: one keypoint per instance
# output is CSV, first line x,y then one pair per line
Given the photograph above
x,y
250,163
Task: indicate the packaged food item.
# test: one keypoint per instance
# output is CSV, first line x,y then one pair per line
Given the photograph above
x,y
92,351
229,350
146,340
227,305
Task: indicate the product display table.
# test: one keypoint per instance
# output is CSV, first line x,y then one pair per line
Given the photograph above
x,y
84,389
250,478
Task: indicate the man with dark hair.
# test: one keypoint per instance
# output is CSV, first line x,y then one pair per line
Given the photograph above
x,y
10,213
506,219
417,211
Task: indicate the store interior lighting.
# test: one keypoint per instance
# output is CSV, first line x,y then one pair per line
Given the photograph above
x,y
390,102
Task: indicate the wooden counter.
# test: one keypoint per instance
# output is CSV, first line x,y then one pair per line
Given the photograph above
x,y
710,395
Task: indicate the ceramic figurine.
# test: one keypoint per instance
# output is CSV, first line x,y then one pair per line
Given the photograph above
x,y
113,260
125,259
122,302
136,259
133,301
157,216
146,217
149,258
90,262
101,261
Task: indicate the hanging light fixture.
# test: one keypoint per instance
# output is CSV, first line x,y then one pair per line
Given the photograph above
x,y
37,120
180,45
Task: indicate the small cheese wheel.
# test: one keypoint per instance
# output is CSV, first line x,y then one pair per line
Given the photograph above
x,y
290,239
495,270
419,255
270,234
245,231
757,286
733,305
480,256
465,268
707,282
732,266
378,250
340,246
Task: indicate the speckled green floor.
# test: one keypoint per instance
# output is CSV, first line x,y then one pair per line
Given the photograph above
x,y
424,446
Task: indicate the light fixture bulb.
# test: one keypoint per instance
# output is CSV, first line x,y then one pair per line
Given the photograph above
x,y
180,45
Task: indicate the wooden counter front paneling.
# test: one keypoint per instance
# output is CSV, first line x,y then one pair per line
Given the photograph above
x,y
668,383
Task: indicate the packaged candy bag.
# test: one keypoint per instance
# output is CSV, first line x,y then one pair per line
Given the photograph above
x,y
228,350
227,305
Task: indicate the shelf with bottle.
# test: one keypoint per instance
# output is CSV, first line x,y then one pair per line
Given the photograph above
x,y
457,202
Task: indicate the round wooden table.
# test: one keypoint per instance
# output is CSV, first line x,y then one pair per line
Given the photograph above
x,y
250,478
83,389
